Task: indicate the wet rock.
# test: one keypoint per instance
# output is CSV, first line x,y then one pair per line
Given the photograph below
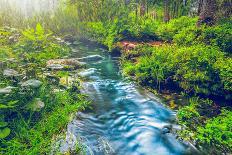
x,y
6,90
60,64
10,73
166,129
87,72
32,83
92,58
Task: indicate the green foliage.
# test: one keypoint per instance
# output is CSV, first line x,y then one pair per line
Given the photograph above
x,y
169,30
218,36
128,27
195,69
35,138
26,128
37,45
188,115
217,132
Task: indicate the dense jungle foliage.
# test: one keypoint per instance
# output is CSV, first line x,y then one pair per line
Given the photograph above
x,y
180,46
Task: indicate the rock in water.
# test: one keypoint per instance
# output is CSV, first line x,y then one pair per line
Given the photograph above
x,y
87,72
92,58
166,129
10,73
32,83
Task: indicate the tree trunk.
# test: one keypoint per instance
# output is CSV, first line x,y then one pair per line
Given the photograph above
x,y
208,11
199,7
143,8
166,11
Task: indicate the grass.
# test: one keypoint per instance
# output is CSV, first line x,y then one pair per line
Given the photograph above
x,y
37,139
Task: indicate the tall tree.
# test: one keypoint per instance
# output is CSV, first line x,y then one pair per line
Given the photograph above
x,y
208,12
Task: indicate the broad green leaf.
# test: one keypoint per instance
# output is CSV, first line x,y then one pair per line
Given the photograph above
x,y
4,133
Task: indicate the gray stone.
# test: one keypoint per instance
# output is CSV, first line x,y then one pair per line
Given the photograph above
x,y
10,73
32,83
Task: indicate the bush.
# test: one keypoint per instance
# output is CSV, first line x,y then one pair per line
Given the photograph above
x,y
169,30
126,28
188,36
189,115
196,69
217,132
218,36
155,69
38,45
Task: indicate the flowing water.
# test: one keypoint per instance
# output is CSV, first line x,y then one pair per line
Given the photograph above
x,y
124,119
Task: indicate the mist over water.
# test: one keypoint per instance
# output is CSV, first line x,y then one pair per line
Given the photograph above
x,y
28,7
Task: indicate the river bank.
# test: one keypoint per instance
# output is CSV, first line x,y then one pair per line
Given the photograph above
x,y
38,98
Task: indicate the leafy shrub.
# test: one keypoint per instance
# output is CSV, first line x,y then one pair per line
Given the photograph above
x,y
218,36
197,69
168,31
157,68
189,115
224,67
123,28
217,132
37,45
187,36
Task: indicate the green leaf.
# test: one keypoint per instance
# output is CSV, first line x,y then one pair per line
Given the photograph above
x,y
4,132
3,124
39,29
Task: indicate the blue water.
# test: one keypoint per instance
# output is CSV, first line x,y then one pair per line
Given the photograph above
x,y
124,119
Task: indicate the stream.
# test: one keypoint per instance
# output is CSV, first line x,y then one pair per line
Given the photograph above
x,y
123,119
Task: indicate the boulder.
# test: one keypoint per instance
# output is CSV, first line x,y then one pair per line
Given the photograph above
x,y
32,83
10,73
91,58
